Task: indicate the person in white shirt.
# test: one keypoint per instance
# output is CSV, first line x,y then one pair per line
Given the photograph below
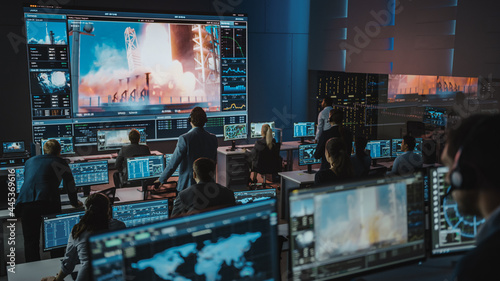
x,y
323,116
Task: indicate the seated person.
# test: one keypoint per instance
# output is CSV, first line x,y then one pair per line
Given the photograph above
x,y
131,150
361,161
267,142
407,162
340,163
97,218
205,194
337,130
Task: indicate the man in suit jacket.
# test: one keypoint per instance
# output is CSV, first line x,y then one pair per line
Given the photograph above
x,y
205,194
39,195
131,150
192,145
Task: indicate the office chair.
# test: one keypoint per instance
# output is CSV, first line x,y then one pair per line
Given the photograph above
x,y
111,194
268,162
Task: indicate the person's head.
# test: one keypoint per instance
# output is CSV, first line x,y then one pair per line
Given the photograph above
x,y
408,143
327,101
96,217
267,134
338,157
264,129
134,136
360,145
203,170
198,117
471,155
336,116
52,147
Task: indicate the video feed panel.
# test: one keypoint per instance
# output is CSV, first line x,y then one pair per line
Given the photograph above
x,y
237,243
346,230
90,173
303,129
452,231
145,167
111,139
256,129
140,213
13,147
235,132
306,154
379,148
57,229
435,116
244,197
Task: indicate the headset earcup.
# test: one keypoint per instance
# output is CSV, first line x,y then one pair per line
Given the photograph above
x,y
456,179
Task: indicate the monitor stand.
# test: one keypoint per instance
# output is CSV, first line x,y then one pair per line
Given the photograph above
x,y
374,163
302,140
233,146
310,170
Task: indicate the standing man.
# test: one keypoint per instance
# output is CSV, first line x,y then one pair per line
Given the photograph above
x,y
192,145
472,157
131,150
324,116
40,195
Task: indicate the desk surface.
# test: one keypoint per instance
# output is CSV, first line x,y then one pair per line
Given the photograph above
x,y
36,270
299,177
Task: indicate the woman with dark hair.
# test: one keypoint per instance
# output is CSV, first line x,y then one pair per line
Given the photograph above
x,y
98,217
361,161
340,163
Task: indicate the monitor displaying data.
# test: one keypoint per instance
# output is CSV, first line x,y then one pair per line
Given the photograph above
x,y
303,129
140,213
346,230
256,129
145,167
90,173
168,157
65,142
451,231
249,196
396,147
57,228
12,147
235,132
379,148
435,116
112,139
92,69
306,154
237,243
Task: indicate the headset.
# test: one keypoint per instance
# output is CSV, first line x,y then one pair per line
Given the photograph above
x,y
463,176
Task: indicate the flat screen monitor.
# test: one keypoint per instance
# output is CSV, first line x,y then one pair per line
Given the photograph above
x,y
306,154
113,139
235,132
379,149
12,147
396,147
140,213
65,142
236,243
91,69
90,173
347,230
303,129
145,167
451,231
256,128
168,157
435,116
57,228
249,196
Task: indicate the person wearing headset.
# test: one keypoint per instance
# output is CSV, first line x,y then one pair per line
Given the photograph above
x,y
192,145
471,155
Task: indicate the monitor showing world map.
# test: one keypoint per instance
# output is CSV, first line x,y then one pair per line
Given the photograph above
x,y
237,243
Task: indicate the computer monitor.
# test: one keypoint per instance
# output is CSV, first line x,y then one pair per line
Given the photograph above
x,y
145,167
57,228
340,231
249,196
141,212
306,156
115,138
379,149
90,173
236,243
256,128
65,142
12,147
396,147
435,116
235,132
451,231
168,157
277,135
303,130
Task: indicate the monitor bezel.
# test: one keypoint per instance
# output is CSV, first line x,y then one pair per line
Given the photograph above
x,y
145,178
102,161
257,135
300,147
13,152
235,139
70,212
42,142
308,136
99,148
